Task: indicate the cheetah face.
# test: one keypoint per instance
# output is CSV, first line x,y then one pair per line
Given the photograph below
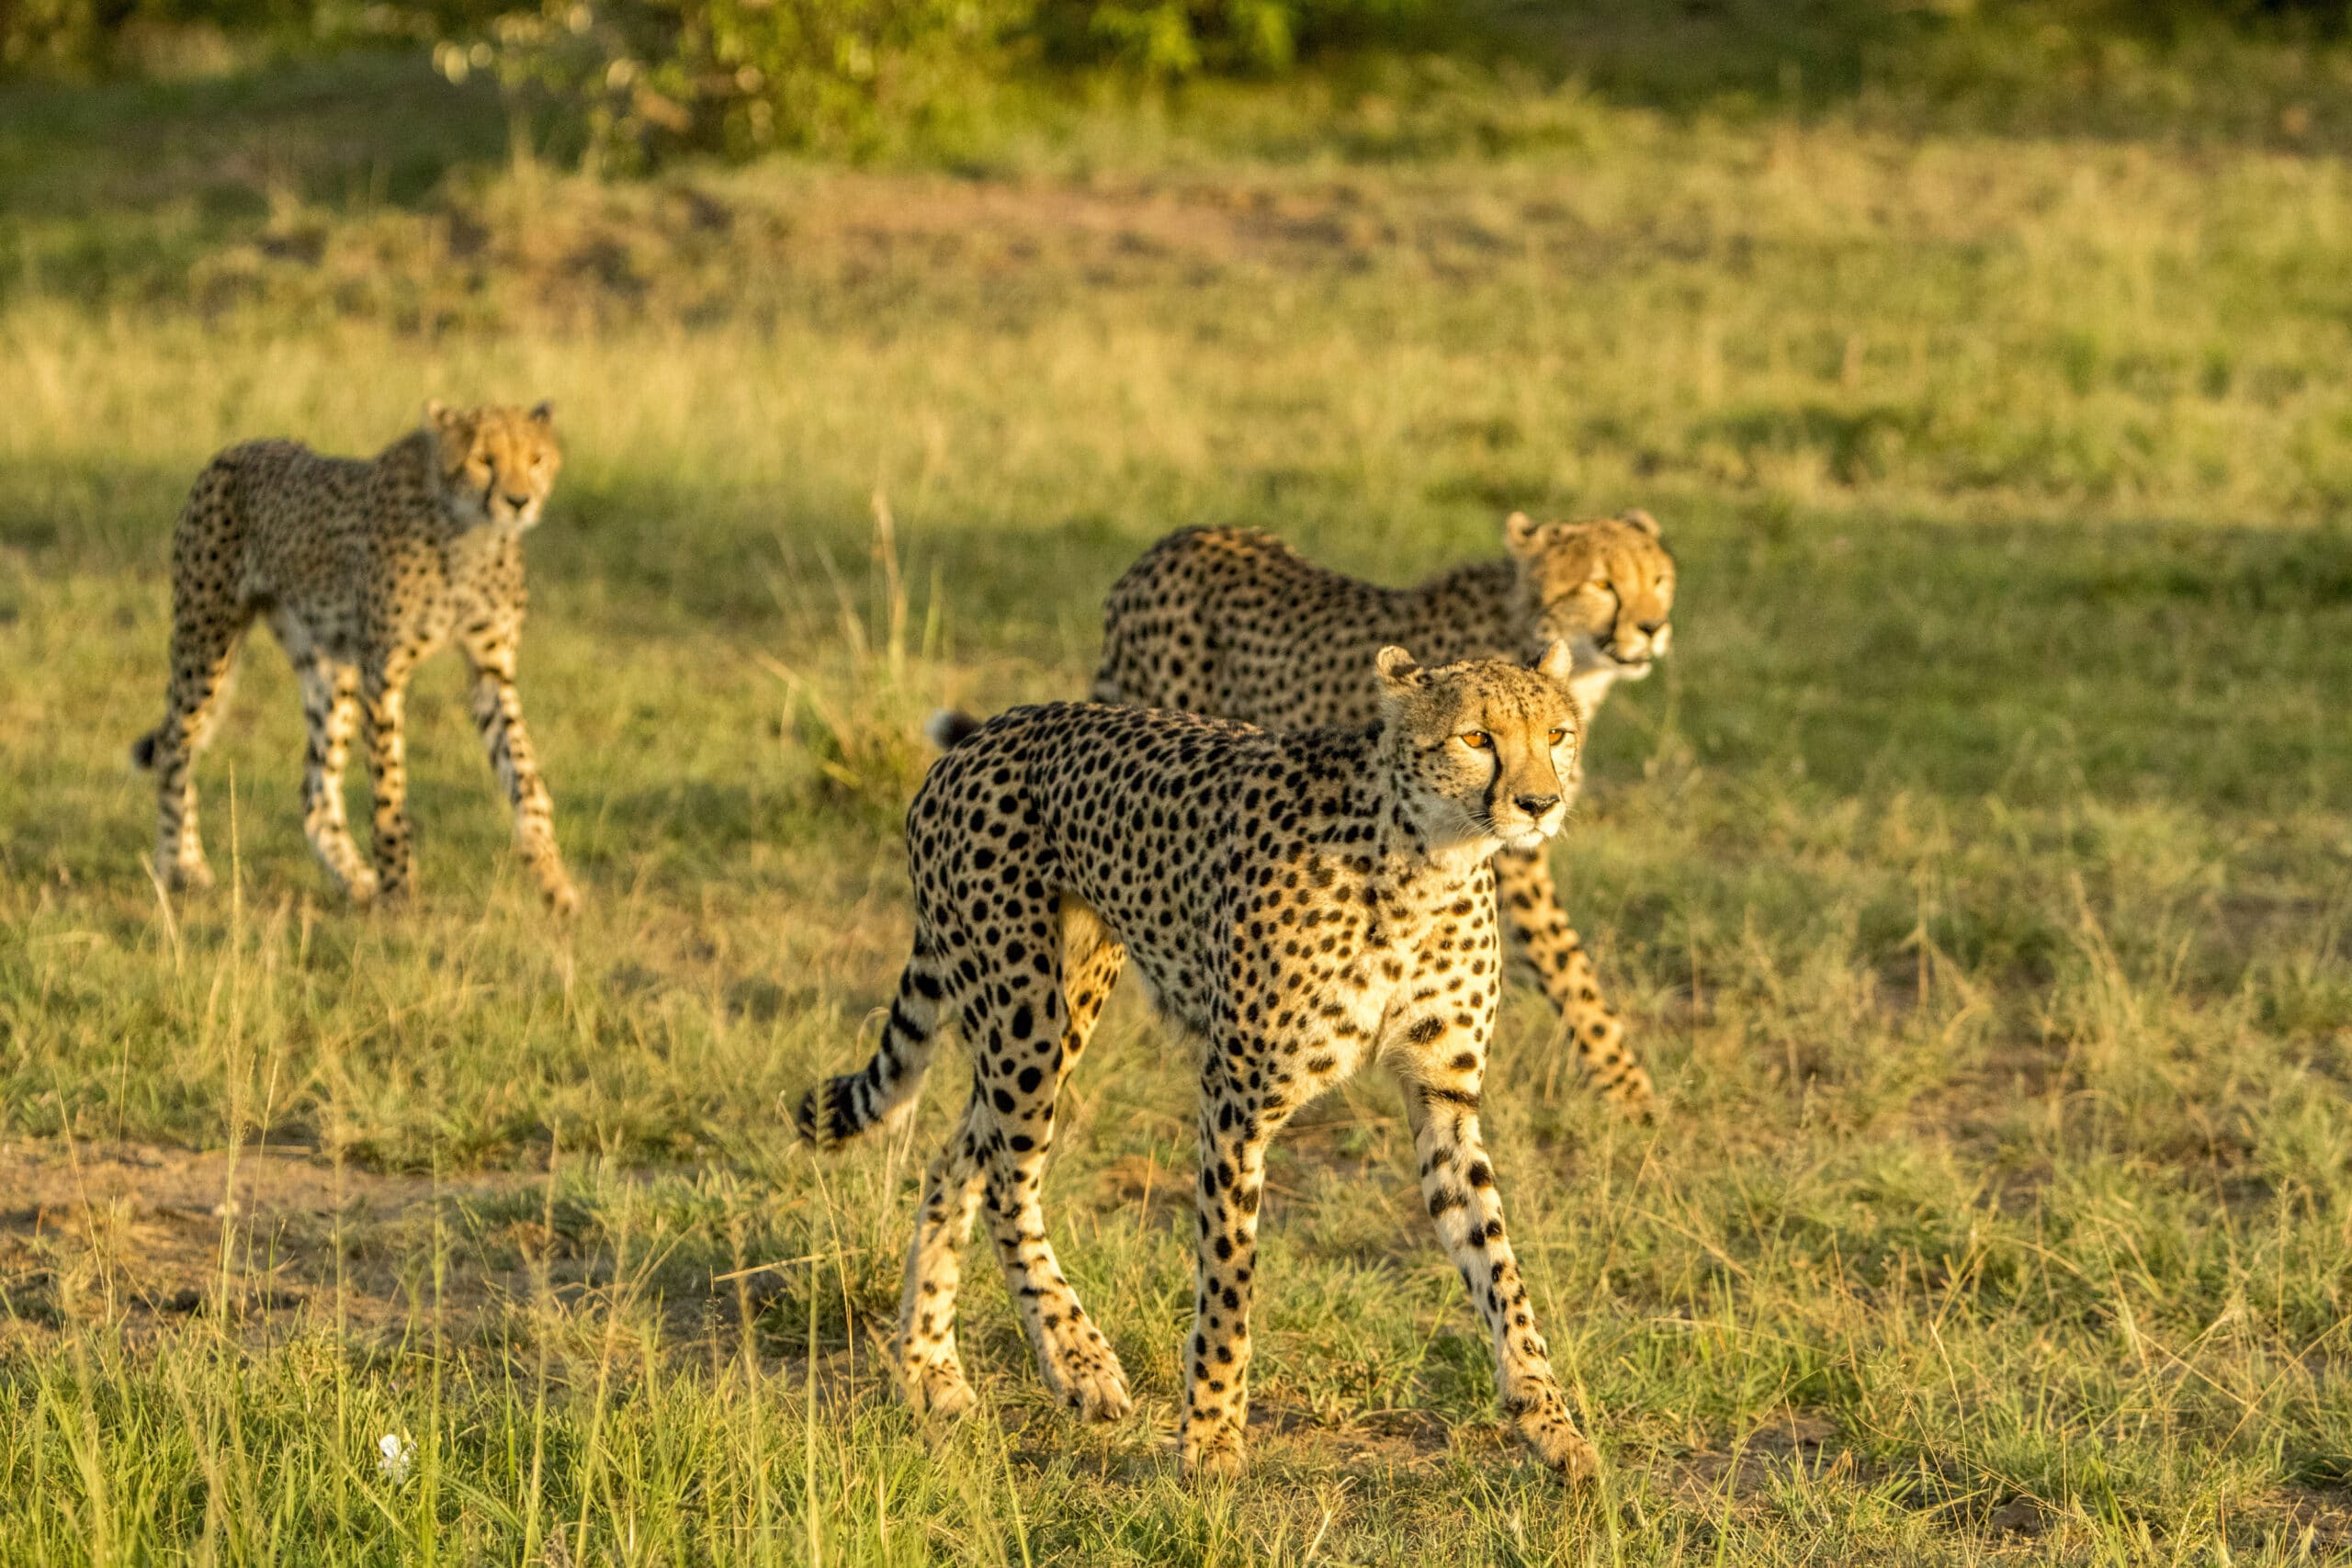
x,y
1490,748
497,464
1605,586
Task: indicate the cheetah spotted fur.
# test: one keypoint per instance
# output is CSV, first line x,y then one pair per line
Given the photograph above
x,y
1299,905
362,569
1233,622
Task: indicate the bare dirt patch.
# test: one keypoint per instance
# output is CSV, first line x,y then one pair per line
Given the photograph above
x,y
149,1233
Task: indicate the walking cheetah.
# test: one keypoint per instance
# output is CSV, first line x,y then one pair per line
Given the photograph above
x,y
362,569
1298,903
1233,622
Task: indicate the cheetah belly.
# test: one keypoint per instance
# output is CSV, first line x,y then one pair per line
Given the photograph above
x,y
1171,983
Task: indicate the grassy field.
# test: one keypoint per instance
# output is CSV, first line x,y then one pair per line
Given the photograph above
x,y
1977,873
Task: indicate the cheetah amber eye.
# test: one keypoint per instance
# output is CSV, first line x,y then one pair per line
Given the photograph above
x,y
1559,737
1476,739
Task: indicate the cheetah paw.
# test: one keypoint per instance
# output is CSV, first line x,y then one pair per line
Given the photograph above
x,y
1640,1112
1633,1095
1083,1371
1214,1456
937,1388
188,876
1099,1394
1561,1447
563,899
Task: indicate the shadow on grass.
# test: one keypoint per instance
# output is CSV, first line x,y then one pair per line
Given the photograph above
x,y
2029,659
2235,75
113,191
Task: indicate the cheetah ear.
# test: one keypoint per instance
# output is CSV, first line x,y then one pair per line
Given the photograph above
x,y
543,412
436,412
1396,665
1640,519
1519,531
1557,661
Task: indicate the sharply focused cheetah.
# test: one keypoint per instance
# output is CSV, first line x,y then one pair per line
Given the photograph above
x,y
1300,904
362,569
1235,623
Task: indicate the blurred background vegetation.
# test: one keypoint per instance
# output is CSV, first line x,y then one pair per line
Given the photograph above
x,y
625,84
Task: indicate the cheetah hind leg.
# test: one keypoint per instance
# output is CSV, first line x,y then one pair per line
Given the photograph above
x,y
1019,1080
930,1373
204,650
330,710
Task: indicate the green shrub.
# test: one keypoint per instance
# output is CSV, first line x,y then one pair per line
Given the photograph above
x,y
1183,37
653,76
90,37
739,76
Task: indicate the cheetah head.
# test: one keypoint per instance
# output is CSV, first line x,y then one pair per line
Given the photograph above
x,y
496,464
1489,749
1606,585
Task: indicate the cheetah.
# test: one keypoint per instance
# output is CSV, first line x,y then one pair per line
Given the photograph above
x,y
1232,622
1299,904
362,567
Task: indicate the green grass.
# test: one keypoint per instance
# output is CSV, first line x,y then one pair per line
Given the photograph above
x,y
1975,872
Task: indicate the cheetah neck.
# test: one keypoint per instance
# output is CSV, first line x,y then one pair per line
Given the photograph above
x,y
1488,609
1422,837
1595,672
414,461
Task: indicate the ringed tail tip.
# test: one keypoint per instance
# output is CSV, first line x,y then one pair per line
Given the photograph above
x,y
823,1117
949,728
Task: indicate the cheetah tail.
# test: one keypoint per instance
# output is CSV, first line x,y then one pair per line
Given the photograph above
x,y
143,751
950,728
840,1109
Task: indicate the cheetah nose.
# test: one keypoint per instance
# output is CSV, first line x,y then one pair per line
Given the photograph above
x,y
518,501
1535,805
1649,628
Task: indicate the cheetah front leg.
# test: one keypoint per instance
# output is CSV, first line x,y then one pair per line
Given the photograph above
x,y
384,691
1530,908
498,714
330,712
1443,1077
1236,1127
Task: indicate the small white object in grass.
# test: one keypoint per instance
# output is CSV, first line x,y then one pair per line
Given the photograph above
x,y
394,1455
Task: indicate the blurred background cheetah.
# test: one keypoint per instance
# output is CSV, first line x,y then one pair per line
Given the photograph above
x,y
362,567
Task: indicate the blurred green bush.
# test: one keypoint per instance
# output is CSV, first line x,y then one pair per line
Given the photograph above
x,y
741,76
738,76
635,81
